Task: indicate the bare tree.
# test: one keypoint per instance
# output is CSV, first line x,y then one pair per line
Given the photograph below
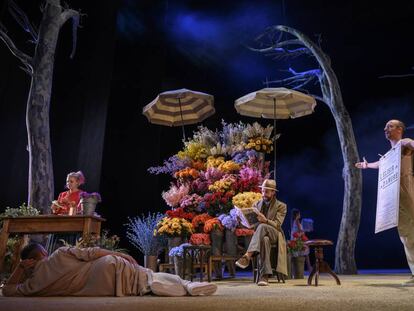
x,y
40,68
273,42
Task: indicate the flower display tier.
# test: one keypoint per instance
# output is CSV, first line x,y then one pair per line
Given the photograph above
x,y
214,171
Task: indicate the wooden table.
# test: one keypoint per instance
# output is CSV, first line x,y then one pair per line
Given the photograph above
x,y
47,224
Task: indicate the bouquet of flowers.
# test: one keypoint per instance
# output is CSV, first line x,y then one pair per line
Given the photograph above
x,y
94,196
246,199
297,246
140,232
260,144
174,227
200,239
178,250
243,232
213,224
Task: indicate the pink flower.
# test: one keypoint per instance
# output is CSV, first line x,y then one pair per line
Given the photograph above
x,y
173,196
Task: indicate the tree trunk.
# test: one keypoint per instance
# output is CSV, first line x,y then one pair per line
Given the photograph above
x,y
40,67
351,213
41,186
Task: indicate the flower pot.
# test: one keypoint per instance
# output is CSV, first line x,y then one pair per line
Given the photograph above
x,y
173,242
217,249
298,267
179,266
88,206
150,262
216,242
231,243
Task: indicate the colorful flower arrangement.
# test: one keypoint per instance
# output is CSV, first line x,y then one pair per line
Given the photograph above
x,y
246,199
213,172
243,232
200,239
297,246
174,227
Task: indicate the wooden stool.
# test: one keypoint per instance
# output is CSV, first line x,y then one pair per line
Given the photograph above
x,y
199,256
320,264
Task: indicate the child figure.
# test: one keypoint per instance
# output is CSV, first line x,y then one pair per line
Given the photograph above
x,y
296,228
68,202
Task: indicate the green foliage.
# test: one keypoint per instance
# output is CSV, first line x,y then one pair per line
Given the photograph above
x,y
103,241
22,210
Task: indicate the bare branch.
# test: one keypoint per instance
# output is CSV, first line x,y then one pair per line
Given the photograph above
x,y
397,76
25,59
75,16
22,19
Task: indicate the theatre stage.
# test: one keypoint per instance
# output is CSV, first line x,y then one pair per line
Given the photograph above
x,y
357,292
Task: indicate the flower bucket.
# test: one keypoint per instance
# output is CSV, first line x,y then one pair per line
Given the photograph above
x,y
216,242
298,267
88,206
231,243
179,266
217,249
150,262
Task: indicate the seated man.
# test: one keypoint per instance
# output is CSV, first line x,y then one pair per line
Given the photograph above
x,y
267,231
71,271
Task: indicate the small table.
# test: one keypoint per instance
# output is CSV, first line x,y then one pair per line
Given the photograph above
x,y
199,256
47,224
320,264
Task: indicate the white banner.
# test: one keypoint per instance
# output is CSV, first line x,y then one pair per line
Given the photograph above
x,y
388,198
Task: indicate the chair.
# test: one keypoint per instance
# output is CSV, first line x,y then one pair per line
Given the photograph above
x,y
256,264
320,265
199,257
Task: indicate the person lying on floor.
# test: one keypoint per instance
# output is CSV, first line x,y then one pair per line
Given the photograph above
x,y
71,271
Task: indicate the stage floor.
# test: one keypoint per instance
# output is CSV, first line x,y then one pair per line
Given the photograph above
x,y
366,291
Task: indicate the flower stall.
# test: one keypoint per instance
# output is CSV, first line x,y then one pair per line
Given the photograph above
x,y
213,172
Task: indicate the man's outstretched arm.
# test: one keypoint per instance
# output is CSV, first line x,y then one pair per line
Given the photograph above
x,y
365,164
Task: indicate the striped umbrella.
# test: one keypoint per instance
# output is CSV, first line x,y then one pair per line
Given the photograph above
x,y
275,103
179,107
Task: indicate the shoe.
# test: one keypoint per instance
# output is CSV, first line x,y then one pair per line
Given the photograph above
x,y
263,281
201,289
410,282
243,262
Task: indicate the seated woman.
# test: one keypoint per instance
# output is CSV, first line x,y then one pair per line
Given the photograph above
x,y
93,271
68,202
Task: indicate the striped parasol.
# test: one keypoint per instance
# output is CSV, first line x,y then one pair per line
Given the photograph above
x,y
179,107
275,103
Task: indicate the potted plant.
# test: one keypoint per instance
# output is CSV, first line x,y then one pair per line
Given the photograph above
x,y
141,232
88,202
298,250
177,253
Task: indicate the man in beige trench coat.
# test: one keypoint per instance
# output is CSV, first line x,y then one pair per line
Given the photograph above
x,y
268,231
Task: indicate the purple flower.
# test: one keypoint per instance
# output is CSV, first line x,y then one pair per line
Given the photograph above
x,y
172,165
229,221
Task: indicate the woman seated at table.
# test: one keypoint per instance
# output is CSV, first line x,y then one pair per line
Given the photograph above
x,y
71,271
68,202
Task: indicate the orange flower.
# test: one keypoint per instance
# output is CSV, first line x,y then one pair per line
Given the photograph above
x,y
213,224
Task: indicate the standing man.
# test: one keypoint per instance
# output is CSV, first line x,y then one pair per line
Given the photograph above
x,y
394,131
268,231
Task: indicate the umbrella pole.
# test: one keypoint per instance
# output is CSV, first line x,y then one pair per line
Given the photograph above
x,y
274,141
182,119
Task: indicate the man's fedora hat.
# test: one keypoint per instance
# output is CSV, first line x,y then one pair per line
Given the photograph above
x,y
269,184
